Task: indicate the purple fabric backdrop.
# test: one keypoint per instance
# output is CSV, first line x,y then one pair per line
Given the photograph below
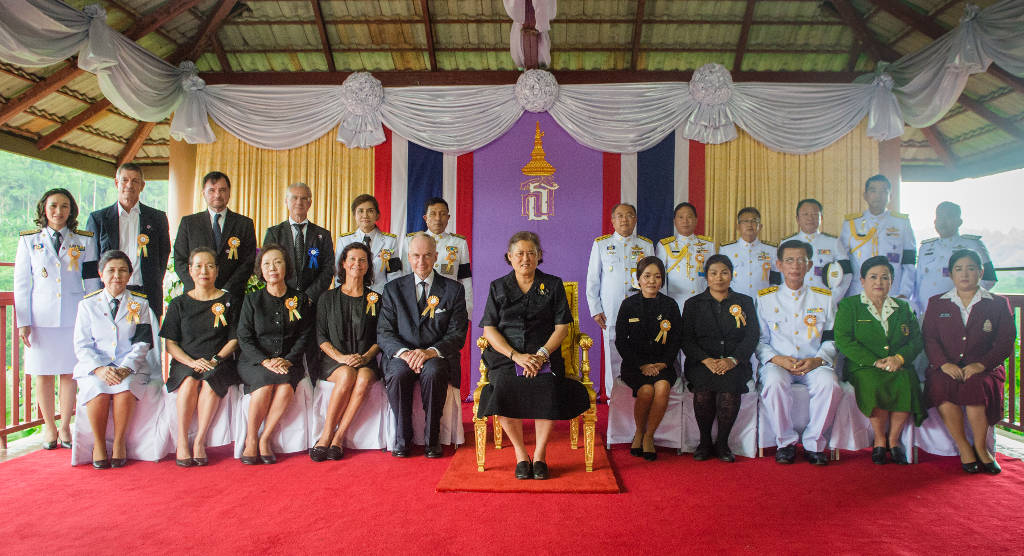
x,y
566,236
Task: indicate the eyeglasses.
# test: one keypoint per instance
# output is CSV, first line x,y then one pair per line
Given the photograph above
x,y
794,260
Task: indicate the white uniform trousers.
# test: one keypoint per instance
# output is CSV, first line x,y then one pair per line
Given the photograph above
x,y
612,359
825,393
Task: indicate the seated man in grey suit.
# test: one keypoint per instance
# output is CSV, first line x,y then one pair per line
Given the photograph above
x,y
422,327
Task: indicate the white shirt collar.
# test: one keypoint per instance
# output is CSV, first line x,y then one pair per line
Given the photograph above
x,y
620,237
50,232
792,293
982,293
108,298
429,280
746,243
689,237
809,237
292,222
870,216
371,234
134,210
437,237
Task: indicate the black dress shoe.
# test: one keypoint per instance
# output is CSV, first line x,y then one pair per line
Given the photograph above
x,y
817,458
318,453
251,460
786,454
724,453
540,470
51,445
187,462
971,468
64,444
400,453
636,452
335,452
702,453
200,462
878,455
524,470
434,452
269,460
118,462
650,456
992,468
101,464
898,455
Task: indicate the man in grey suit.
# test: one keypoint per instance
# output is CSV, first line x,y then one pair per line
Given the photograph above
x,y
422,327
310,248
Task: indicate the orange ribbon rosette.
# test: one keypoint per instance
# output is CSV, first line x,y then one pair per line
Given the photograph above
x,y
371,303
292,304
737,313
665,326
218,315
133,312
233,243
432,302
143,241
766,268
812,330
74,252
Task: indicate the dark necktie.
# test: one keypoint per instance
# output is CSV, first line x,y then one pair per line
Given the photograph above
x,y
300,246
113,308
56,242
366,240
422,303
216,230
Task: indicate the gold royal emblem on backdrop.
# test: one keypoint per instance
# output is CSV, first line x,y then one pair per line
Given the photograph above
x,y
539,190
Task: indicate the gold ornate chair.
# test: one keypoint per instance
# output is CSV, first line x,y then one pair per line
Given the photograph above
x,y
575,352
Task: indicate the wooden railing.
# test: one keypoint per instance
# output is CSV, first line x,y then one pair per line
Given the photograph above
x,y
1013,391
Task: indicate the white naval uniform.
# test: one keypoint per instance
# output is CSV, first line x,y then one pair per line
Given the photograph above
x,y
865,235
611,275
753,265
101,341
684,258
47,289
798,324
383,246
933,267
827,252
452,261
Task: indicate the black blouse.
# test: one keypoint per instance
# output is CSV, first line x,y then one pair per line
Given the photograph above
x,y
193,324
266,329
711,329
344,322
527,320
639,324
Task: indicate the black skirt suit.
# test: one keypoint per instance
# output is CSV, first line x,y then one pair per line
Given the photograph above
x,y
268,329
200,333
637,331
349,324
719,329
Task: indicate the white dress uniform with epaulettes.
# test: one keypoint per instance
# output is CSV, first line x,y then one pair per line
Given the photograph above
x,y
684,258
753,265
120,341
611,277
830,265
865,235
798,324
48,285
933,266
384,247
452,260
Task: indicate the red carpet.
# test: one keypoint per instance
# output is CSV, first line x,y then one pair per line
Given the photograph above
x,y
567,470
371,503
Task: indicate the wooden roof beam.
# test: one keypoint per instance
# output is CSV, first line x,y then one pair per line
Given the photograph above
x,y
131,148
638,22
741,44
530,38
938,144
855,22
213,22
322,29
1002,123
93,112
429,29
222,56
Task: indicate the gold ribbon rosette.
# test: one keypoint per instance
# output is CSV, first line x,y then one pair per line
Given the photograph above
x,y
218,315
453,255
74,252
812,330
292,304
371,303
385,255
143,241
432,302
233,243
665,326
133,312
766,268
737,313
700,263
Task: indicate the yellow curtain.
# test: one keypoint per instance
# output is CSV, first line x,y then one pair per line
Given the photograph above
x,y
744,173
259,177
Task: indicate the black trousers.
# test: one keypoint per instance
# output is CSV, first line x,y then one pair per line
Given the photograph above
x,y
399,380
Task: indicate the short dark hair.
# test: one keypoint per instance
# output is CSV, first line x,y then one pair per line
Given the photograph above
x,y
203,249
718,258
794,244
684,204
961,253
880,179
949,205
431,202
617,205
525,236
215,176
258,270
877,260
647,261
340,273
365,198
751,210
131,167
114,255
41,208
812,201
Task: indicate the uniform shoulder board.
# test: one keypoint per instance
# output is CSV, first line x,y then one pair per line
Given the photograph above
x,y
767,291
390,235
901,215
770,244
667,240
88,295
458,236
346,234
726,244
410,234
85,233
929,240
706,238
599,238
822,291
137,294
828,235
971,236
645,239
28,232
853,216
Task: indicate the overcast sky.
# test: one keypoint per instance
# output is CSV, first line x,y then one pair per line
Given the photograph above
x,y
989,203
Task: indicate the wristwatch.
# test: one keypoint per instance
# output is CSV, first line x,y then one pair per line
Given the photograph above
x,y
215,360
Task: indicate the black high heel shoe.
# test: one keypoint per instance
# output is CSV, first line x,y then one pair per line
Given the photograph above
x,y
524,470
970,468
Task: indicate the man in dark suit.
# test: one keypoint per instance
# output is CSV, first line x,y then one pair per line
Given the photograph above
x,y
230,234
310,248
422,327
138,230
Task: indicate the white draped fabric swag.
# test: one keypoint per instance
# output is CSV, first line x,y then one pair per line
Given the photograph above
x,y
620,118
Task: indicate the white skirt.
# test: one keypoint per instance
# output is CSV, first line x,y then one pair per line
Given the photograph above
x,y
90,386
52,351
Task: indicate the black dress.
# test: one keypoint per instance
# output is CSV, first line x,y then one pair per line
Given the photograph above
x,y
343,322
268,329
637,331
711,329
194,326
527,320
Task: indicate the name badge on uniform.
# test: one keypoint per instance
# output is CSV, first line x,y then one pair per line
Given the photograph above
x,y
945,272
944,315
905,329
634,319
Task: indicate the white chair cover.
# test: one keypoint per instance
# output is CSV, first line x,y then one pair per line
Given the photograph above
x,y
742,439
292,433
852,430
369,427
221,432
934,438
146,438
452,431
621,425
